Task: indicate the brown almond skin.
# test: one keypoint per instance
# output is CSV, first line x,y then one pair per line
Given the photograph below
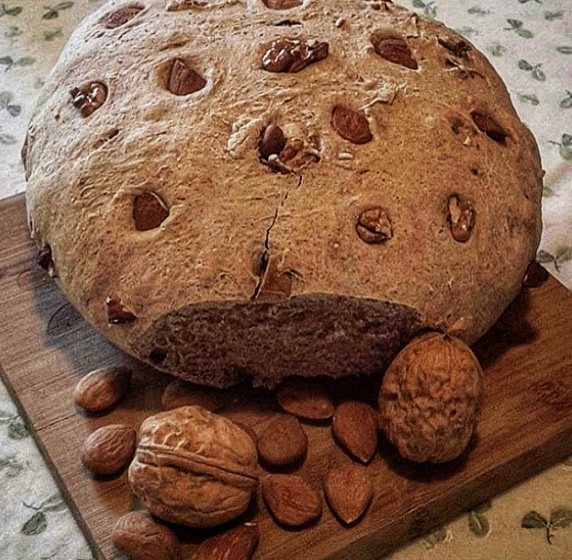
x,y
351,125
182,393
283,442
102,388
291,500
183,79
109,449
394,49
282,4
305,399
272,141
238,543
138,536
355,428
349,490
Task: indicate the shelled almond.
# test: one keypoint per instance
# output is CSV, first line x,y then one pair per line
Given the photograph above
x,y
109,449
348,488
292,501
354,426
283,442
305,399
139,536
238,543
102,388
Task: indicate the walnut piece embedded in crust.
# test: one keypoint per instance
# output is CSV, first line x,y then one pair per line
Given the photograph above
x,y
194,467
429,398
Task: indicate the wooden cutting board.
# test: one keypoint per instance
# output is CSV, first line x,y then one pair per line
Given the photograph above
x,y
525,426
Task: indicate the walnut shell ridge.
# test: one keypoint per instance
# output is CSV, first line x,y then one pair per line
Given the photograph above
x,y
193,467
430,397
225,217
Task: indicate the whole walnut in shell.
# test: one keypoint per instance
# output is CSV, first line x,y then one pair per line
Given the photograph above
x,y
194,467
429,398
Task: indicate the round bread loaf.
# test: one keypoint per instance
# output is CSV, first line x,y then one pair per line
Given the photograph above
x,y
253,189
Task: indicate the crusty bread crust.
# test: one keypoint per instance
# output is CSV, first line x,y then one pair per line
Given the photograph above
x,y
324,257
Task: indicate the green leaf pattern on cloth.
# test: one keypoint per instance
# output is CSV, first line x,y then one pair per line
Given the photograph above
x,y
530,44
560,518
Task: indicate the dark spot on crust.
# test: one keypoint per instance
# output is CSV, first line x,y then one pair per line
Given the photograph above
x,y
489,126
288,23
44,257
282,4
104,138
117,313
157,355
458,48
149,211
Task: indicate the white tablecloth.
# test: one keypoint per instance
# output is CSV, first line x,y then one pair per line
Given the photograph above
x,y
530,44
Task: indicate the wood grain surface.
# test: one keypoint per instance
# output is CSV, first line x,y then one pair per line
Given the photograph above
x,y
525,423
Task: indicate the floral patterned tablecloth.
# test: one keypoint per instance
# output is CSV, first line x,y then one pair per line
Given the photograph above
x,y
530,44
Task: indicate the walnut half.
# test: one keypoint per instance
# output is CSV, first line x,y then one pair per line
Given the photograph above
x,y
194,467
